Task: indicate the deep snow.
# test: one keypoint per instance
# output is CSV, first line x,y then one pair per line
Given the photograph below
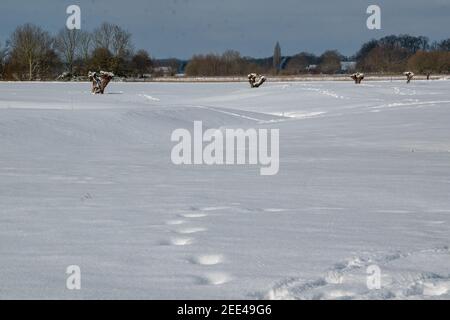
x,y
87,180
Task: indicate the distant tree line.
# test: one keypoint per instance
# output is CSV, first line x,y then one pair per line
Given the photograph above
x,y
32,53
391,54
230,63
399,53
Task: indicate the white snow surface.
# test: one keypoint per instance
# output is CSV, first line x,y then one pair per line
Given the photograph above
x,y
87,180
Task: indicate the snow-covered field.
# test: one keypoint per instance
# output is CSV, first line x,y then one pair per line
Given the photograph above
x,y
88,180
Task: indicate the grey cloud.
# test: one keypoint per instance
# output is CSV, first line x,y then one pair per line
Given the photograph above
x,y
183,27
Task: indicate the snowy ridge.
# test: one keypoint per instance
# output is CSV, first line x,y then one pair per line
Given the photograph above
x,y
88,180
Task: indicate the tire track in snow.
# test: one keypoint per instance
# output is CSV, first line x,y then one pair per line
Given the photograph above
x,y
409,104
234,114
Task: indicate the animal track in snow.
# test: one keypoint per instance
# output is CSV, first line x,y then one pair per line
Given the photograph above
x,y
339,295
193,215
347,280
207,259
436,289
394,211
214,208
274,210
178,241
215,278
148,97
175,222
190,230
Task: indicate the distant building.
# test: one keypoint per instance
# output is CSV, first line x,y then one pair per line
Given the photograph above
x,y
347,66
312,67
163,71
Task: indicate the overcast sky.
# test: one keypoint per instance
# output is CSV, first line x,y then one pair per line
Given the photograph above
x,y
180,28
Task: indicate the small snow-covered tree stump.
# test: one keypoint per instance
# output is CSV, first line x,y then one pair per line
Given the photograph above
x,y
409,75
357,77
256,80
100,81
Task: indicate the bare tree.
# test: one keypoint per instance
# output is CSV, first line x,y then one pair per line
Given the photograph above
x,y
300,62
430,62
30,46
85,45
2,59
114,38
117,41
67,44
330,62
142,63
232,62
121,42
228,64
103,36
